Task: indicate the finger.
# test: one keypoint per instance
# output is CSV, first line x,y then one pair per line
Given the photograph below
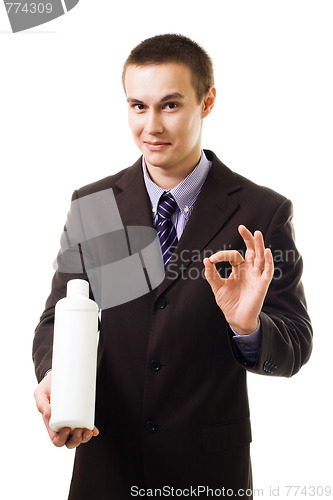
x,y
60,438
42,402
95,431
259,260
43,405
231,256
86,436
269,265
247,237
52,434
57,438
42,398
212,275
75,439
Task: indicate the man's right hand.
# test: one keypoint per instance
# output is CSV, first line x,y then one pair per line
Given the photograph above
x,y
63,437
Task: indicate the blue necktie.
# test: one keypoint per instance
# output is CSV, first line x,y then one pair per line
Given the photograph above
x,y
165,229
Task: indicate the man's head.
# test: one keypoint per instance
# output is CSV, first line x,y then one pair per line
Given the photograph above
x,y
167,104
179,49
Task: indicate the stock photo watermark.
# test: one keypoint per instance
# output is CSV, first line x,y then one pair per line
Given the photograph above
x,y
289,491
26,15
122,263
125,262
179,262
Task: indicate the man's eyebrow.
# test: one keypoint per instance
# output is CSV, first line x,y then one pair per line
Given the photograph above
x,y
132,99
174,95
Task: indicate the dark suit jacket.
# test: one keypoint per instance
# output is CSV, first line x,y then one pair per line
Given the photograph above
x,y
172,405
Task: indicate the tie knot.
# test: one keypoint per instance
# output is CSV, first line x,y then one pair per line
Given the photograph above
x,y
166,207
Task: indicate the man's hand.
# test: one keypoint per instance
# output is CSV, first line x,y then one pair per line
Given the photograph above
x,y
64,437
241,296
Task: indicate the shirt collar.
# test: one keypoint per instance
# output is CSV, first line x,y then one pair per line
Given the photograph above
x,y
186,192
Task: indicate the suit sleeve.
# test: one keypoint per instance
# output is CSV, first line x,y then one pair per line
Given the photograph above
x,y
70,265
285,324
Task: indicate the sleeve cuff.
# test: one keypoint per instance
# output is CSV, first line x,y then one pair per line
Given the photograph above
x,y
249,335
249,345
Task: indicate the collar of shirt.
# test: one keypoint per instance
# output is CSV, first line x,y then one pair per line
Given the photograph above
x,y
186,192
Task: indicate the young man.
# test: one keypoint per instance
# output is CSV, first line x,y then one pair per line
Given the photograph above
x,y
172,411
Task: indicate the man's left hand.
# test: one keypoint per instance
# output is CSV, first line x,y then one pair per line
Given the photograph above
x,y
241,295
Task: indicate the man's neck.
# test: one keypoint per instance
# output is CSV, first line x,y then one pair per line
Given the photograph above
x,y
167,179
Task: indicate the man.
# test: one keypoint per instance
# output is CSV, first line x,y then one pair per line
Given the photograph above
x,y
171,407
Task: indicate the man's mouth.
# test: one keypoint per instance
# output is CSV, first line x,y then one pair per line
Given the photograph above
x,y
156,145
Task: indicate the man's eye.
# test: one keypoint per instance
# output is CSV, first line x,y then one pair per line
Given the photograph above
x,y
138,107
171,105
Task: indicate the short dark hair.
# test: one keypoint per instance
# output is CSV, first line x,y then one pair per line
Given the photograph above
x,y
177,49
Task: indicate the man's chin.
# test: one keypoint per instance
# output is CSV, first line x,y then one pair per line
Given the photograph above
x,y
157,160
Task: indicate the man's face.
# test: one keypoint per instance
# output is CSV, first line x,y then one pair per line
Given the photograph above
x,y
165,116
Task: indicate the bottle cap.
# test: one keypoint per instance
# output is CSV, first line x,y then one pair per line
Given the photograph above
x,y
77,287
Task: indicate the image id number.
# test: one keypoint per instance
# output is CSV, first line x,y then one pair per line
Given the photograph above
x,y
308,491
29,7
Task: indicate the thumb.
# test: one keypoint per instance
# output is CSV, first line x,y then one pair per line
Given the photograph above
x,y
46,411
43,403
42,397
212,275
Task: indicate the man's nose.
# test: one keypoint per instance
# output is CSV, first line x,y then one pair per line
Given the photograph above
x,y
153,123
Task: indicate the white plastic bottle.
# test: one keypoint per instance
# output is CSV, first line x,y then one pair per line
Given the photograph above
x,y
74,360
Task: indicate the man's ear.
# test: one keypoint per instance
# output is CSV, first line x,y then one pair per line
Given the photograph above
x,y
208,101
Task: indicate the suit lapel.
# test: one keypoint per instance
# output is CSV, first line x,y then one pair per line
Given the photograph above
x,y
133,200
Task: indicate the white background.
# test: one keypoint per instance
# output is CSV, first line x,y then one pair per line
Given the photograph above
x,y
63,124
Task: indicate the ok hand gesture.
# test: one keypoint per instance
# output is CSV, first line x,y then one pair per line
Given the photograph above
x,y
241,296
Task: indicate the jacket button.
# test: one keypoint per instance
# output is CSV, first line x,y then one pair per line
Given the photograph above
x,y
161,303
150,426
269,367
155,365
